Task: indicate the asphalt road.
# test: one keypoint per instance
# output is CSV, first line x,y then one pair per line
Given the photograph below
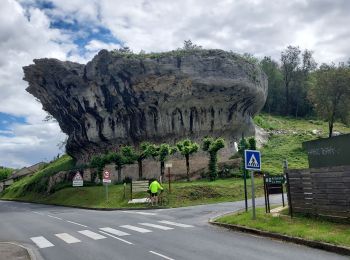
x,y
183,233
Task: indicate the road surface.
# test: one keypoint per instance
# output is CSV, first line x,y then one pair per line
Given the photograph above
x,y
182,233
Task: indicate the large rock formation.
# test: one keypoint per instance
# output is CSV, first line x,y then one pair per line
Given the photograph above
x,y
126,98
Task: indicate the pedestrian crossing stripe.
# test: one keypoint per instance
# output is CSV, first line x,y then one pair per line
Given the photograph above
x,y
252,160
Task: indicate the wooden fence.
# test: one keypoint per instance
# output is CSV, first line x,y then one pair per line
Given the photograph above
x,y
322,191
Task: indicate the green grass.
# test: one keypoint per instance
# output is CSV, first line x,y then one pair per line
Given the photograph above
x,y
183,194
38,181
5,173
316,229
286,138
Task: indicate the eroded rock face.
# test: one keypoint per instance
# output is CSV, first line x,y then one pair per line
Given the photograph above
x,y
120,99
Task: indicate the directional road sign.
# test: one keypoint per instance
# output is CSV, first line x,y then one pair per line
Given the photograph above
x,y
252,160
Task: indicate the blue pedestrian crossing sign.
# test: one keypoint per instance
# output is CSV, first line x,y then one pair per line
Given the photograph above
x,y
252,160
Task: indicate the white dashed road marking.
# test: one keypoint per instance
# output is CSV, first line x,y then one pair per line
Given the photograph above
x,y
114,231
54,217
91,234
75,223
123,240
163,256
67,238
156,226
42,242
137,229
174,224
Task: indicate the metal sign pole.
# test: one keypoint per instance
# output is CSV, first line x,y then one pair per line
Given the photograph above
x,y
253,194
169,179
106,191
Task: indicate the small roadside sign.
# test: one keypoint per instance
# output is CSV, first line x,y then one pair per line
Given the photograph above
x,y
252,160
168,165
275,180
78,180
106,177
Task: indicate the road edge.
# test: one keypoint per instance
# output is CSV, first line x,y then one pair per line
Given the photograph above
x,y
301,241
30,252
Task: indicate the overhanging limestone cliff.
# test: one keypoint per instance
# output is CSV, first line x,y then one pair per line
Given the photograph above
x,y
118,99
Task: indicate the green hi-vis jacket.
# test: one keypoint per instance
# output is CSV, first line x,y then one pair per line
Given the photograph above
x,y
155,186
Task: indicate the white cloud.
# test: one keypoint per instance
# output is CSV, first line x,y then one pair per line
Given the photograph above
x,y
29,144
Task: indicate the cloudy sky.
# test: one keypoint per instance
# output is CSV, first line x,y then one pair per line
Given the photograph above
x,y
76,29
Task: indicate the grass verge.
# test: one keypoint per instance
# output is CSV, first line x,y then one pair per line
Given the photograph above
x,y
183,194
315,229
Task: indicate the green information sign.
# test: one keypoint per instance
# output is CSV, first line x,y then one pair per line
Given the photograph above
x,y
275,180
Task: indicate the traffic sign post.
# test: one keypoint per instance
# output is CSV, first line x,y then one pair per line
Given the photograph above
x,y
252,161
78,180
106,181
169,165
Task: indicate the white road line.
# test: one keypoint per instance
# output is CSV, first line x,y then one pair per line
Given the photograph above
x,y
156,226
38,213
54,217
140,213
91,234
137,229
67,238
114,231
42,242
174,224
165,257
75,223
120,239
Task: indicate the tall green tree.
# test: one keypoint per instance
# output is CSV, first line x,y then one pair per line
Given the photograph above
x,y
275,97
330,94
146,150
212,146
162,153
99,162
186,148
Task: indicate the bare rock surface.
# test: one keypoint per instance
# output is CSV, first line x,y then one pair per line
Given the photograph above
x,y
118,99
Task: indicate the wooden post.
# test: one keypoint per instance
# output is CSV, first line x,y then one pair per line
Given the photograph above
x,y
265,193
131,190
289,198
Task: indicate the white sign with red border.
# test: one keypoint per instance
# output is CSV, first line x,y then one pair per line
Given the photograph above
x,y
106,177
78,180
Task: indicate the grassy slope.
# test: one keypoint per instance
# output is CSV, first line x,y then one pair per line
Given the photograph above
x,y
287,135
304,227
5,173
183,194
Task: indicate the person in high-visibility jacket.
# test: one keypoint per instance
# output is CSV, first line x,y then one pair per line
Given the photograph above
x,y
154,187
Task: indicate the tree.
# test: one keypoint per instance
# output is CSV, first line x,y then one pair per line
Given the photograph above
x,y
212,146
188,45
330,94
146,150
275,96
290,61
186,148
99,162
162,152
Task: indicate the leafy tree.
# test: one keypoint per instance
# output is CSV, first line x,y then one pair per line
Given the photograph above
x,y
275,97
212,146
162,153
5,173
146,150
188,45
330,93
252,143
186,148
290,61
99,162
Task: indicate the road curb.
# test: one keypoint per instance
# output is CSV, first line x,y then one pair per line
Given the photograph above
x,y
301,241
81,207
30,252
